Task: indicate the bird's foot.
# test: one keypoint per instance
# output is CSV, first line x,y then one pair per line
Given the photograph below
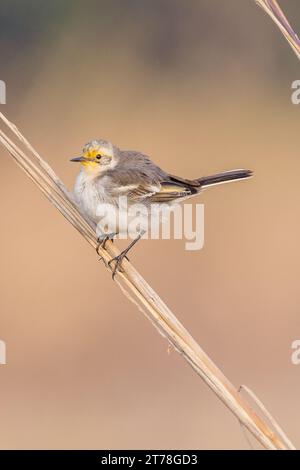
x,y
102,242
117,260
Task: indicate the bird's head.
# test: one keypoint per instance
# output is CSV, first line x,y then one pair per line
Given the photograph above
x,y
98,156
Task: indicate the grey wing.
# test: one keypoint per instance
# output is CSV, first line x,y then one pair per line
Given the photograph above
x,y
138,178
132,184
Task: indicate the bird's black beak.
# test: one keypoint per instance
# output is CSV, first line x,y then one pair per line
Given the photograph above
x,y
77,159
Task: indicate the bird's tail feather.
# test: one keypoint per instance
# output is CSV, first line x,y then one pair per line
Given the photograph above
x,y
224,177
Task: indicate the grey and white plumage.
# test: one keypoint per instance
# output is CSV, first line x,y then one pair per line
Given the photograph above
x,y
108,173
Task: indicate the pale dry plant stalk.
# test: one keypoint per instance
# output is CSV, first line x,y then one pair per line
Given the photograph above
x,y
141,293
272,8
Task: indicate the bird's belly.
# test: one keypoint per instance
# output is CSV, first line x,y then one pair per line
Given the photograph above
x,y
117,216
139,218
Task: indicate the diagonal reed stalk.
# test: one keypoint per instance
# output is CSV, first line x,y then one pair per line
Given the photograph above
x,y
272,8
141,294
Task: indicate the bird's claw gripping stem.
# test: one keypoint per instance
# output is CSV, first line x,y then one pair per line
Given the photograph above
x,y
102,242
118,261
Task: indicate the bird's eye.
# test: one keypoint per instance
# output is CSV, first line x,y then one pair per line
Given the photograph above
x,y
98,157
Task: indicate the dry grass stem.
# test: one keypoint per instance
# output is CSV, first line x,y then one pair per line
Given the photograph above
x,y
272,8
139,292
267,414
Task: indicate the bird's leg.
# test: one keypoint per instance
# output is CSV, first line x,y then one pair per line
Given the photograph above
x,y
118,259
102,241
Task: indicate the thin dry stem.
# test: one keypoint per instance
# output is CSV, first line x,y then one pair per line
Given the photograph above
x,y
272,8
268,415
140,293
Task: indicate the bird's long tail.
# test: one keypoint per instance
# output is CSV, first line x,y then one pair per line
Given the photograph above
x,y
224,177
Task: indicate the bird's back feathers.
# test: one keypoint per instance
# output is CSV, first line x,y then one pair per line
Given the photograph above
x,y
137,177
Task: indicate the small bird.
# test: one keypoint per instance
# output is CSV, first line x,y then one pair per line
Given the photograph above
x,y
119,179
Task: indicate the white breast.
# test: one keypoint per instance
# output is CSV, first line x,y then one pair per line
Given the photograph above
x,y
110,215
89,193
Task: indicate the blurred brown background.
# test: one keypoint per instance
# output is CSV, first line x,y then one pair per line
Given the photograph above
x,y
200,86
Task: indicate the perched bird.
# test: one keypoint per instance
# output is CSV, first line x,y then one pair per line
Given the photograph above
x,y
118,180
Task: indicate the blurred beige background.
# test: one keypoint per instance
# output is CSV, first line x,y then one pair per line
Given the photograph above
x,y
200,86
